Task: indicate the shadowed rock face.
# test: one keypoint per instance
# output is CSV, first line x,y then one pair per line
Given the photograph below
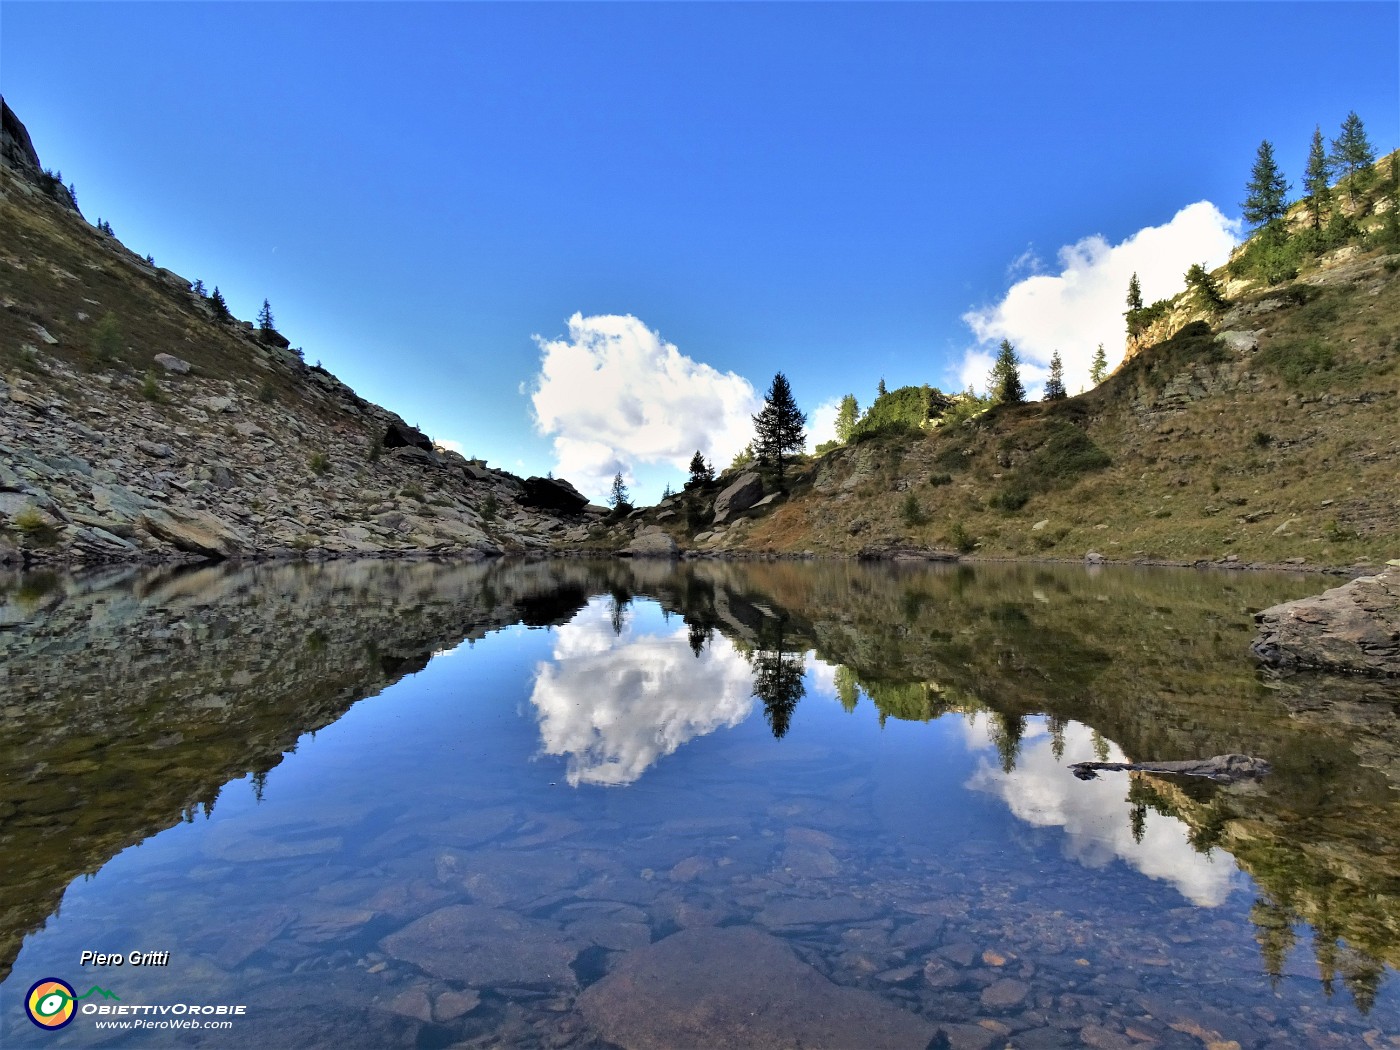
x,y
1354,629
553,494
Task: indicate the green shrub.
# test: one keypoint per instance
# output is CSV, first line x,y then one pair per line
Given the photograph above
x,y
912,513
489,507
1298,362
267,393
1010,498
107,339
940,479
953,458
150,388
961,539
320,463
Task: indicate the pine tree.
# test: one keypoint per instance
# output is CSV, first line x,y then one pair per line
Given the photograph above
x,y
198,289
216,300
778,427
1134,293
1317,178
265,317
880,390
700,471
1055,382
667,494
1199,280
846,418
1099,369
1266,200
619,496
1352,153
1004,382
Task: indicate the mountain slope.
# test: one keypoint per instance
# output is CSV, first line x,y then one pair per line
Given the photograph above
x,y
136,423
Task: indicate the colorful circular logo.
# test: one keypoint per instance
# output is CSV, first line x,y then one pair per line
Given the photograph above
x,y
49,1003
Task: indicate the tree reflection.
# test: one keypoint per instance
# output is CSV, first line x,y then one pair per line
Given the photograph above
x,y
777,678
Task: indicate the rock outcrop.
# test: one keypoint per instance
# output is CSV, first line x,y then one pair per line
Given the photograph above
x,y
743,493
1354,628
554,494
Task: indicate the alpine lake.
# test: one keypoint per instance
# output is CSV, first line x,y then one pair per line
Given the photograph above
x,y
704,804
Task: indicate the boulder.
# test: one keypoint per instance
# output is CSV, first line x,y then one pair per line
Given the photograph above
x,y
742,494
272,337
553,494
171,363
1354,628
424,457
1239,342
400,435
653,544
196,531
485,947
734,987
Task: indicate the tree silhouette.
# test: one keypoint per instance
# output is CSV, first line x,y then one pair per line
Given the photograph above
x,y
778,427
265,321
1004,382
618,496
1055,382
1266,193
700,471
1099,369
777,681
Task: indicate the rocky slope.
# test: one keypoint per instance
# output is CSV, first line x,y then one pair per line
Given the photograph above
x,y
135,423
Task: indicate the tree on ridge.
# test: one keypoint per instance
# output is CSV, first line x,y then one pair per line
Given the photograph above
x,y
779,426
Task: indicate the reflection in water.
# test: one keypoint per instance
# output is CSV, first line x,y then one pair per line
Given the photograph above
x,y
897,848
1097,818
615,698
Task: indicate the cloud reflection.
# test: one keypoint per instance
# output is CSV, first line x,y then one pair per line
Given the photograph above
x,y
615,703
1095,813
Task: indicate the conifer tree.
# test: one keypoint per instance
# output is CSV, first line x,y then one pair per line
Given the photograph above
x,y
619,496
1134,293
880,390
778,427
1004,382
1199,280
846,418
216,300
198,288
1099,369
1055,382
1317,178
700,471
1352,153
1266,199
265,317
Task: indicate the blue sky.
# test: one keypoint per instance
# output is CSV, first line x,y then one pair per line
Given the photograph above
x,y
842,192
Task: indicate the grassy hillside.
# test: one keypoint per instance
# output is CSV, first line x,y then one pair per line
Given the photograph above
x,y
1266,430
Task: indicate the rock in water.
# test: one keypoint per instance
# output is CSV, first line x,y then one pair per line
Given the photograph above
x,y
484,947
196,531
733,988
653,543
1353,628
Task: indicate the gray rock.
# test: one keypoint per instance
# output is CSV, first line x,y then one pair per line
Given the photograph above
x,y
171,363
653,545
553,494
485,947
742,494
196,531
1239,342
1094,558
732,988
1353,628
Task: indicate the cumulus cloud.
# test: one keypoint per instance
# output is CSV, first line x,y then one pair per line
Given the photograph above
x,y
821,423
1082,305
1042,791
614,395
615,704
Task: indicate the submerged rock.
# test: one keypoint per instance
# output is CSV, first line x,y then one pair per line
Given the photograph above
x,y
485,947
738,988
1354,628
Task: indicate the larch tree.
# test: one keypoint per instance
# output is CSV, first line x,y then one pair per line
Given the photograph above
x,y
265,321
779,426
846,418
1134,292
1099,368
618,496
700,471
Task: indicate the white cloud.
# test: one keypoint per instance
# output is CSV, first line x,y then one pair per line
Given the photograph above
x,y
450,445
614,394
821,423
615,704
1075,310
1042,791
